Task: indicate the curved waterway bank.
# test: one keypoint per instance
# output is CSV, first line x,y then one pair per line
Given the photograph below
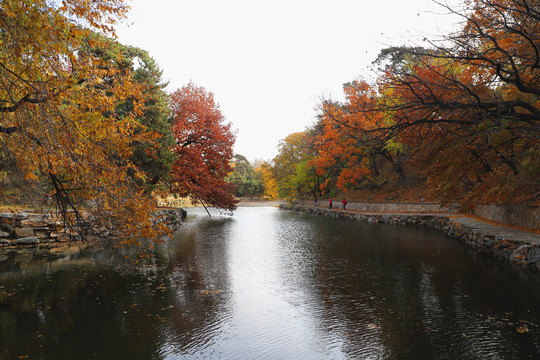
x,y
518,247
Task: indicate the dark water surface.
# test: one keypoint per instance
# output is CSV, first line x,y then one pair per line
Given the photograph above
x,y
271,284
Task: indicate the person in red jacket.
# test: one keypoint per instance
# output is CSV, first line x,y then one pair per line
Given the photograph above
x,y
330,203
344,202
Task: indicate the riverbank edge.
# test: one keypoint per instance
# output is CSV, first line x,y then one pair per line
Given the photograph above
x,y
33,230
514,246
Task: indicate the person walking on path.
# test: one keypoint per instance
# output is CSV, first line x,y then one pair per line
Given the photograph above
x,y
315,201
330,203
344,202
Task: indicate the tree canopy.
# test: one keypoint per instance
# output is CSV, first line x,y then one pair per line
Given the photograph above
x,y
470,110
154,159
293,166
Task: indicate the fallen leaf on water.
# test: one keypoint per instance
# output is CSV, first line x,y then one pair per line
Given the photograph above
x,y
522,329
373,326
211,292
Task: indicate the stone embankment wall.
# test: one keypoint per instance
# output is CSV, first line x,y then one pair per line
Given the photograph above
x,y
32,229
504,244
429,207
172,217
512,214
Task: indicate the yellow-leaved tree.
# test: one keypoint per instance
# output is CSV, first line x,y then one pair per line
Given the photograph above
x,y
59,124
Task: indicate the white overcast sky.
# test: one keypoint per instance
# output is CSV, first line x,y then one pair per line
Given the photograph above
x,y
268,62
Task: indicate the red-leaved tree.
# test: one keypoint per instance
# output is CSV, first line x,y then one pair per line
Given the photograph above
x,y
204,145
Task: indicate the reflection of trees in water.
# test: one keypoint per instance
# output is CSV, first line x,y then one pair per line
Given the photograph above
x,y
319,265
391,291
78,309
363,290
88,312
198,274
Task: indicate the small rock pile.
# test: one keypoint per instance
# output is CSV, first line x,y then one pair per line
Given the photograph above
x,y
30,229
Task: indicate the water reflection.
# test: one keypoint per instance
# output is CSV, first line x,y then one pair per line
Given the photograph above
x,y
275,284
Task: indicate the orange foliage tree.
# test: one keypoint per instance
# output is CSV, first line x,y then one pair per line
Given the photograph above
x,y
467,112
204,148
349,143
471,110
58,119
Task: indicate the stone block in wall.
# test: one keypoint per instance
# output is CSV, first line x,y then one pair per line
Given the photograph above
x,y
513,214
59,236
14,216
6,227
33,223
4,234
24,232
26,241
11,219
41,232
520,254
38,217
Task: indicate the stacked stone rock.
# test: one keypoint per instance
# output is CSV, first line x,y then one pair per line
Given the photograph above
x,y
29,229
26,228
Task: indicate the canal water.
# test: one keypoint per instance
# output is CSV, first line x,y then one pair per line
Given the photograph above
x,y
273,284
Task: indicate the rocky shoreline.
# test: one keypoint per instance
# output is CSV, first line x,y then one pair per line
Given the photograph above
x,y
29,229
518,247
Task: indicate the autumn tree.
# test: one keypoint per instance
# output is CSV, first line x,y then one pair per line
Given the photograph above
x,y
471,109
269,181
203,146
292,168
349,144
58,115
154,159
